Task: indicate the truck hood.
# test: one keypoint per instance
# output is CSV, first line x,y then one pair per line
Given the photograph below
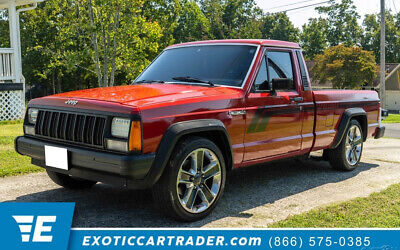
x,y
146,94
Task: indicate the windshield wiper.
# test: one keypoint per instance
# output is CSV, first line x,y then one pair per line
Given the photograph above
x,y
148,81
192,79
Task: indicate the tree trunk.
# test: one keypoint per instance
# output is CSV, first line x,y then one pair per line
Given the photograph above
x,y
53,83
115,45
59,80
95,46
105,58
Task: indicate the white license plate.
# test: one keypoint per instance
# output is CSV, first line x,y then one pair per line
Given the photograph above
x,y
56,157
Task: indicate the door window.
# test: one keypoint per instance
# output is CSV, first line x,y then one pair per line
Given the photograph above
x,y
280,65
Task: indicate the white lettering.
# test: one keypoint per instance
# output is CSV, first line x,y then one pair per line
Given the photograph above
x,y
40,228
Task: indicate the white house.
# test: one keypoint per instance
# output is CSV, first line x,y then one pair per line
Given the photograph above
x,y
392,84
12,82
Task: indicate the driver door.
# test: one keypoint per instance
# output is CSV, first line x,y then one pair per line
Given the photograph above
x,y
274,119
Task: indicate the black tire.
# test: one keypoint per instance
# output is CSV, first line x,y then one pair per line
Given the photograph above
x,y
166,191
69,181
338,158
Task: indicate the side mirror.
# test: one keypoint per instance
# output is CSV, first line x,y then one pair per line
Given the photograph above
x,y
282,84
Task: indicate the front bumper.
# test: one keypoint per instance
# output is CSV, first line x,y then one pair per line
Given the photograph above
x,y
130,171
380,132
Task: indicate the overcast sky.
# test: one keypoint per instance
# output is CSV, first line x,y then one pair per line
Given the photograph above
x,y
299,17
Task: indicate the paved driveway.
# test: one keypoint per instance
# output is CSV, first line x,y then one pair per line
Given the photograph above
x,y
392,130
254,197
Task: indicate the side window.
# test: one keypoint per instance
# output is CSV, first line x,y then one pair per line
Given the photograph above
x,y
280,65
261,82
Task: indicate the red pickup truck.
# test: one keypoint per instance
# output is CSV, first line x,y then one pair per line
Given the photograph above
x,y
199,110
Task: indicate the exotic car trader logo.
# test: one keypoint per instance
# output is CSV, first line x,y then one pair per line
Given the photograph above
x,y
25,226
71,102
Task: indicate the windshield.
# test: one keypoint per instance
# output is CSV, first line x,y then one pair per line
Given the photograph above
x,y
217,64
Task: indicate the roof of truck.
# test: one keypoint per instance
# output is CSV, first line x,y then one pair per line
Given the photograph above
x,y
263,42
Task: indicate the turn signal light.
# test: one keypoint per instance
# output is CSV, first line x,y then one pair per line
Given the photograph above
x,y
135,137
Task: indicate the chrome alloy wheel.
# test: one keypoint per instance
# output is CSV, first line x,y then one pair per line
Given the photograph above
x,y
354,145
199,180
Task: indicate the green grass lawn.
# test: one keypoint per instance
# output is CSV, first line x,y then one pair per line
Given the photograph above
x,y
392,118
11,163
377,210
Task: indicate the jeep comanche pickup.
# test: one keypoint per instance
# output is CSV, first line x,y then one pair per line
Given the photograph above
x,y
199,110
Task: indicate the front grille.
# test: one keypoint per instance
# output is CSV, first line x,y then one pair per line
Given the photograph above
x,y
71,127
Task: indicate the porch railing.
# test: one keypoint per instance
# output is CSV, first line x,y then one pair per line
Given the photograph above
x,y
11,92
6,64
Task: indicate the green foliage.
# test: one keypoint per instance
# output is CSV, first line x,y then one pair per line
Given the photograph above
x,y
76,44
377,210
278,26
4,30
238,17
79,44
11,162
193,25
345,67
230,19
313,37
371,39
392,118
342,26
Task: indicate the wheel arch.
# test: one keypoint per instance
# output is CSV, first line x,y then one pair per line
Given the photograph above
x,y
211,129
349,114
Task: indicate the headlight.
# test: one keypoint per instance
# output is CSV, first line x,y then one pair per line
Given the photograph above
x,y
120,127
32,115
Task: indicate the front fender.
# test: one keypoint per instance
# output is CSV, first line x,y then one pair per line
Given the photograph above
x,y
177,131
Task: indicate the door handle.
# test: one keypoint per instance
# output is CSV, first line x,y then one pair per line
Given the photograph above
x,y
238,112
296,99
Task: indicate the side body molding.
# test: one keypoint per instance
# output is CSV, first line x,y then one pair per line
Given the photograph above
x,y
177,131
347,115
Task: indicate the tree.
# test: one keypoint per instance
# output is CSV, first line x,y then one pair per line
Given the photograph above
x,y
83,39
313,37
44,46
4,30
118,31
213,11
166,14
345,67
342,26
371,39
232,18
192,23
279,27
238,18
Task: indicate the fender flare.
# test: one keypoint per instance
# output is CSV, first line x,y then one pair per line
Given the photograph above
x,y
172,136
347,115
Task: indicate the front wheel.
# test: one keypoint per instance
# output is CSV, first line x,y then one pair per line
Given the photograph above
x,y
193,181
347,155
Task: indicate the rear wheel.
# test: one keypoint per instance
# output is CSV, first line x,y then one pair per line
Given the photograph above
x,y
193,182
347,155
69,181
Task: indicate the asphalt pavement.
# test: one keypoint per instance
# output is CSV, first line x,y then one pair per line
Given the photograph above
x,y
392,130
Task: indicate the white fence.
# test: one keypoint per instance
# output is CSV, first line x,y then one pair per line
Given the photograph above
x,y
11,107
